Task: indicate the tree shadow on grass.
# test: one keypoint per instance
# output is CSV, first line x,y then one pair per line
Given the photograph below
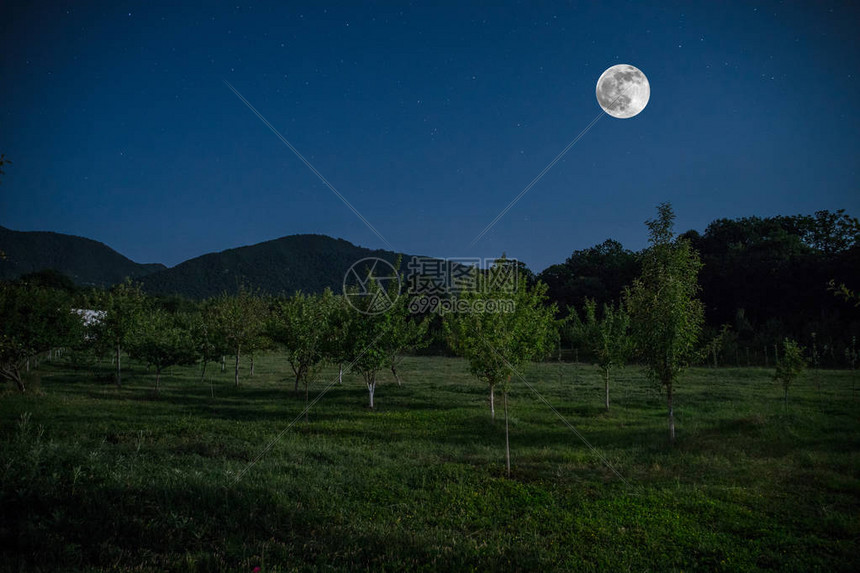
x,y
770,436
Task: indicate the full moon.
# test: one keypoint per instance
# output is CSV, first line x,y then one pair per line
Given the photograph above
x,y
623,91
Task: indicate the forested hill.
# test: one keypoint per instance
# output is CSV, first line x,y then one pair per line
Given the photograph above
x,y
85,261
309,263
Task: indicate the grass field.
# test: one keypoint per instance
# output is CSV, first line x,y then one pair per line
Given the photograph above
x,y
95,477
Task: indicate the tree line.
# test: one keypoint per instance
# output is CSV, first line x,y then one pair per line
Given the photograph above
x,y
762,279
658,319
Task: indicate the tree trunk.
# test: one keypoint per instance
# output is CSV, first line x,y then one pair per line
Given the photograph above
x,y
238,353
606,386
492,402
118,367
396,376
13,373
371,388
157,378
252,365
507,436
203,372
307,385
223,363
298,378
340,374
785,398
715,357
671,415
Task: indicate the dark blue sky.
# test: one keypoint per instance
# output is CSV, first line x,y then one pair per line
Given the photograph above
x,y
428,119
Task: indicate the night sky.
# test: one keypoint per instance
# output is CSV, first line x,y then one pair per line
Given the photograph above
x,y
429,119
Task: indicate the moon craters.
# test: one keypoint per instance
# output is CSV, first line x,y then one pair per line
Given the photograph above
x,y
623,91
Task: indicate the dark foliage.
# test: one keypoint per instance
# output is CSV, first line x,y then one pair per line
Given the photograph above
x,y
598,273
50,279
767,278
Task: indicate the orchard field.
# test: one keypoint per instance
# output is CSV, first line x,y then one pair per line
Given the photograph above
x,y
96,477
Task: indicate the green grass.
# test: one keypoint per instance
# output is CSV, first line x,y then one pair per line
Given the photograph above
x,y
99,478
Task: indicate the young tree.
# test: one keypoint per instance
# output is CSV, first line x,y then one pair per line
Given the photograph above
x,y
121,306
789,366
32,320
208,346
162,340
301,325
337,346
259,343
403,332
239,321
608,338
716,344
496,341
665,314
362,343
